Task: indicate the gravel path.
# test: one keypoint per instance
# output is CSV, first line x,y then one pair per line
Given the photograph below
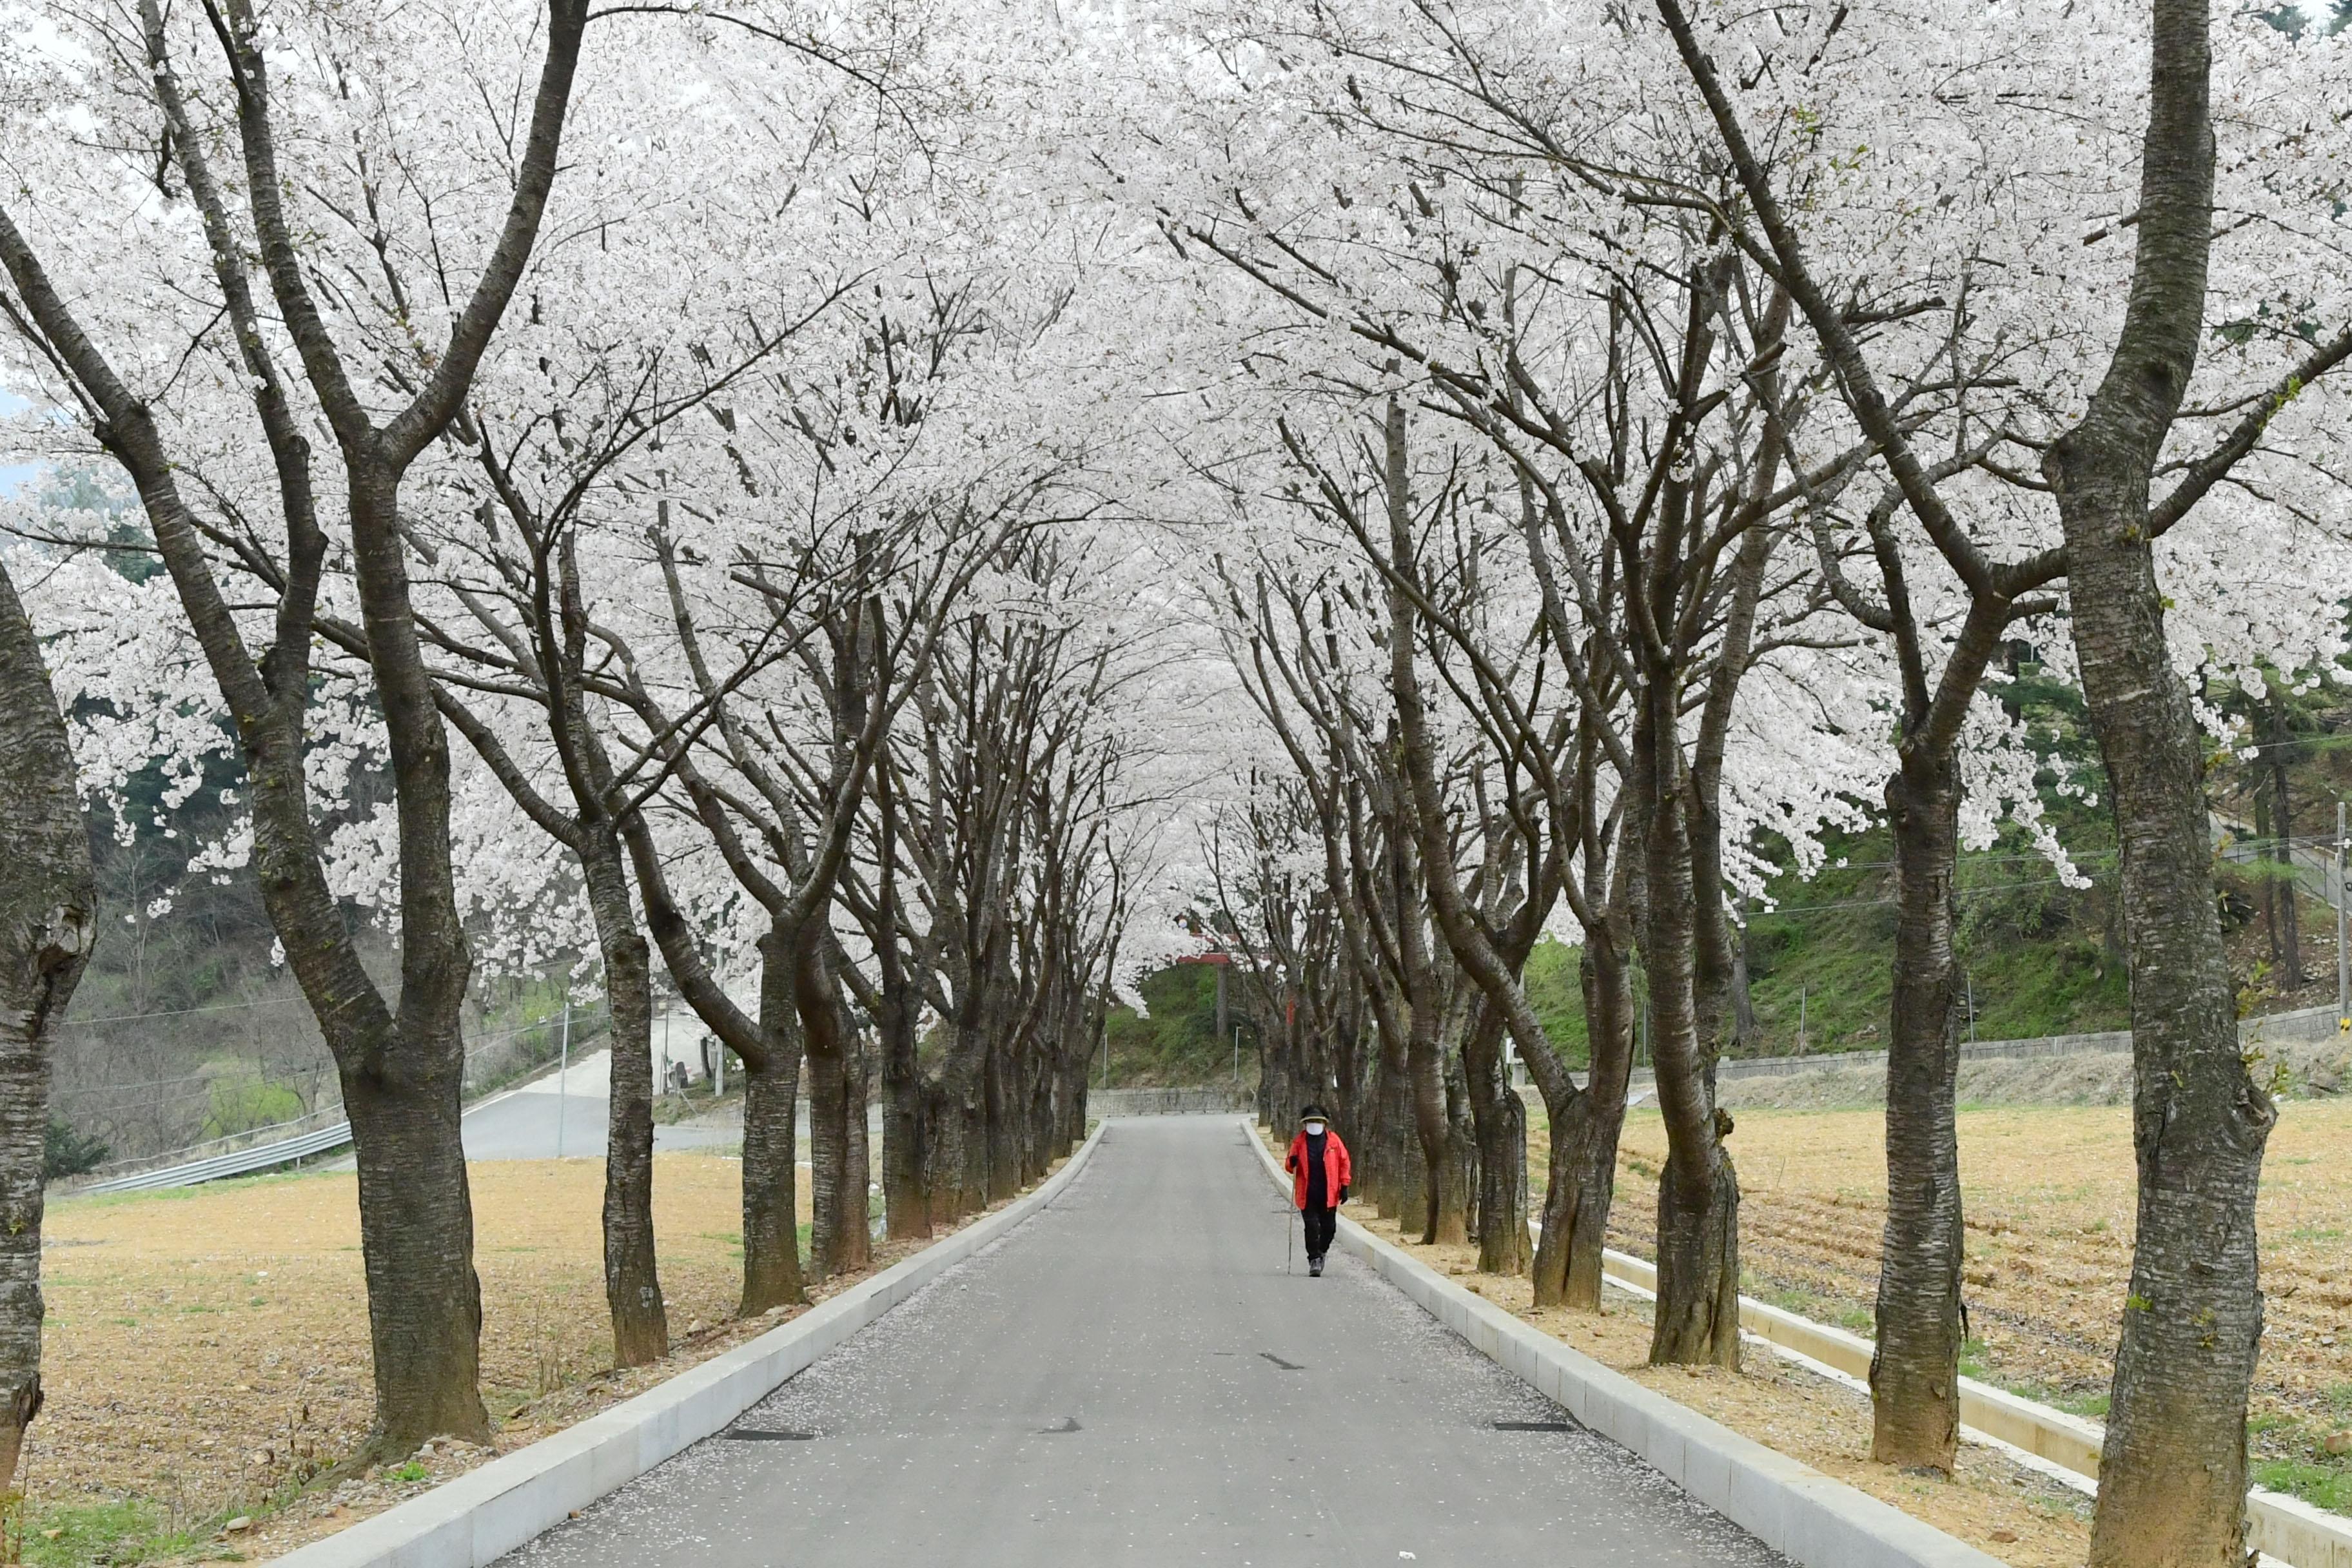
x,y
1132,1377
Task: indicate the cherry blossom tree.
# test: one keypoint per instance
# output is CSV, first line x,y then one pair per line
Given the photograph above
x,y
359,362
2173,1468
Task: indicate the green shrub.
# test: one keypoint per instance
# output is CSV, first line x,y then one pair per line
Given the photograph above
x,y
242,1104
66,1153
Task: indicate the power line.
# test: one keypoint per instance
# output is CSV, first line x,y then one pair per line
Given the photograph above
x,y
185,1012
208,1079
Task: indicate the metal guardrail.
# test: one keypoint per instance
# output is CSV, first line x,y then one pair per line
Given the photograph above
x,y
236,1162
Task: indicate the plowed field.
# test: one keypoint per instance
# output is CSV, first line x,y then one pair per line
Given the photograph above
x,y
2048,1194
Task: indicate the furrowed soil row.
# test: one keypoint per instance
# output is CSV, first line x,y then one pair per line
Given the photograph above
x,y
2049,1195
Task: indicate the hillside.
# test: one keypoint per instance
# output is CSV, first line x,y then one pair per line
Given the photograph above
x,y
2039,956
2042,958
1174,1041
185,1027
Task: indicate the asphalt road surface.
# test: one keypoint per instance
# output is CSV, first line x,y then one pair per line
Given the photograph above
x,y
1131,1378
523,1123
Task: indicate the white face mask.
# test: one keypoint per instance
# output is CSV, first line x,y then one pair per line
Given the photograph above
x,y
1314,1129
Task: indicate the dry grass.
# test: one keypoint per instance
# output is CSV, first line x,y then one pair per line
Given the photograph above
x,y
206,1351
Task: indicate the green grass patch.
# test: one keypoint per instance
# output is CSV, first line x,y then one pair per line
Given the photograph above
x,y
2091,1404
119,1531
2319,1483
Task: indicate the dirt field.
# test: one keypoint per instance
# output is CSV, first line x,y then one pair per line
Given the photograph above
x,y
2048,1194
208,1349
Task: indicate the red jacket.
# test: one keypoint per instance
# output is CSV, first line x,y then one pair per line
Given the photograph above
x,y
1337,1168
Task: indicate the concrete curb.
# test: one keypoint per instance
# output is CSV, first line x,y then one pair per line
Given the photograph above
x,y
486,1513
1790,1506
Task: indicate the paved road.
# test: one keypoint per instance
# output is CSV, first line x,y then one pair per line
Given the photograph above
x,y
1130,1378
521,1123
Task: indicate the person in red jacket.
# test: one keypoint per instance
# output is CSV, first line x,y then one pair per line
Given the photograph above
x,y
1319,1171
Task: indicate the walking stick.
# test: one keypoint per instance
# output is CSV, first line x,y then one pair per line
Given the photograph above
x,y
1288,1241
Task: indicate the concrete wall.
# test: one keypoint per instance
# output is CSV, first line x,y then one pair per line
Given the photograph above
x,y
2310,1023
1216,1102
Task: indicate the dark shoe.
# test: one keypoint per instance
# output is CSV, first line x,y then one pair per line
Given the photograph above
x,y
1314,1269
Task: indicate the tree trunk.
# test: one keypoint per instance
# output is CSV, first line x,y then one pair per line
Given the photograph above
x,y
416,1214
906,1195
49,902
959,1173
1697,1317
1439,1216
829,1176
858,1161
417,1237
772,1250
1002,1102
1376,1182
1461,1196
1915,1371
1500,1118
2172,1475
1584,1164
631,1283
2269,891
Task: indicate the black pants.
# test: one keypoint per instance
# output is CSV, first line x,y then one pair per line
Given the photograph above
x,y
1322,1225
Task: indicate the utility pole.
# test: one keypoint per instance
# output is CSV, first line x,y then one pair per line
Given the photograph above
x,y
2342,948
1237,1052
1971,981
563,1074
1800,1020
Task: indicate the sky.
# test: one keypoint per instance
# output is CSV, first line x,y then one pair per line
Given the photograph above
x,y
13,475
